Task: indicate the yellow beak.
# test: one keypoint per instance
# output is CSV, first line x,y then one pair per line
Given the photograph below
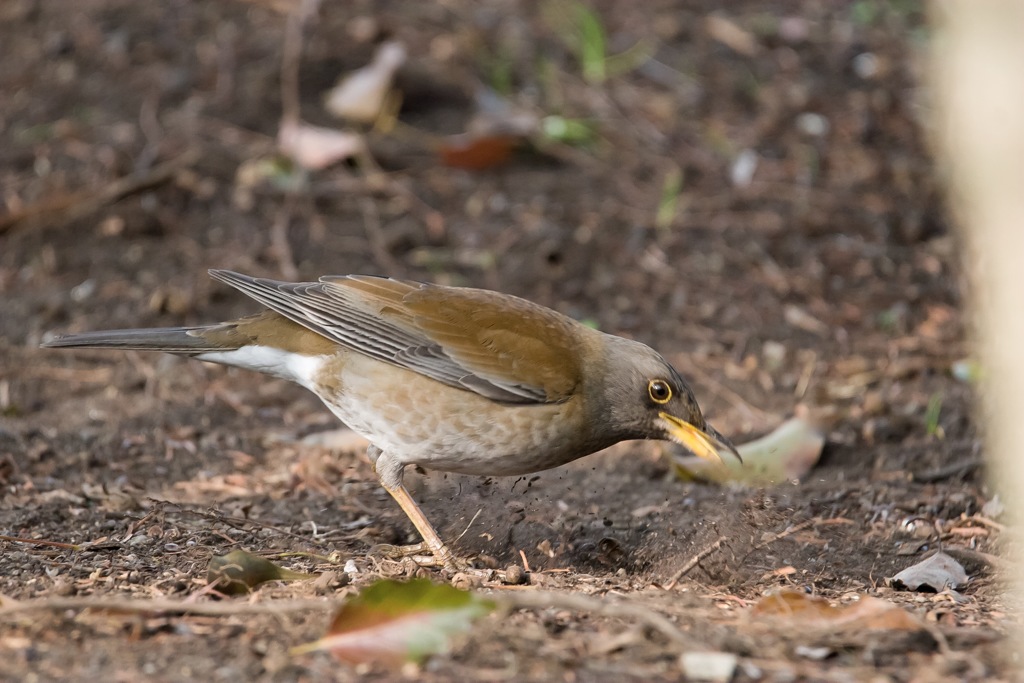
x,y
700,443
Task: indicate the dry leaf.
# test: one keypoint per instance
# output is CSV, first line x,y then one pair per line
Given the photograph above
x,y
393,622
731,35
477,153
314,148
803,611
360,96
933,575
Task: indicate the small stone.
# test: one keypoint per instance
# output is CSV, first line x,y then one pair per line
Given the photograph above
x,y
330,581
464,581
515,575
866,65
708,666
813,124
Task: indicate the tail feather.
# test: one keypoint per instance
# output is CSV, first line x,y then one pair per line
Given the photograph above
x,y
183,340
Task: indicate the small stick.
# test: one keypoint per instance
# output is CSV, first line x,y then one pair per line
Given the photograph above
x,y
36,541
67,208
621,609
211,609
526,563
781,535
694,561
466,530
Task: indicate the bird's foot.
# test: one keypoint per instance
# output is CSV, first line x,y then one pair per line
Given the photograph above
x,y
459,569
417,552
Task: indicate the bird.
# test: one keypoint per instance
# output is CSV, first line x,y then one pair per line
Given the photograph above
x,y
454,379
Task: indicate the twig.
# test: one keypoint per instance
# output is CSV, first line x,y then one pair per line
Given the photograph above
x,y
375,238
62,374
781,535
40,542
526,563
694,561
65,209
620,609
291,53
468,526
279,244
985,521
243,523
213,609
948,472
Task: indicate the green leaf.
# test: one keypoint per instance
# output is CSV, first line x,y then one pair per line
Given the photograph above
x,y
567,131
931,416
629,59
239,572
391,622
669,203
592,45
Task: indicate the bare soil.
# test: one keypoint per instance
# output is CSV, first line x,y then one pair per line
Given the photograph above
x,y
831,279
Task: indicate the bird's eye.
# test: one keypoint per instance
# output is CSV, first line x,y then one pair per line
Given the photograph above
x,y
659,391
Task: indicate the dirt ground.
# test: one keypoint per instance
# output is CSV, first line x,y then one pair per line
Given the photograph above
x,y
828,277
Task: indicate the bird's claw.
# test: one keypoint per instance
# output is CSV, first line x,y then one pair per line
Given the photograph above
x,y
459,569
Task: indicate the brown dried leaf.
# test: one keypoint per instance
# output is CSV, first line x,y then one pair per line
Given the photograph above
x,y
803,611
360,96
477,153
314,148
727,32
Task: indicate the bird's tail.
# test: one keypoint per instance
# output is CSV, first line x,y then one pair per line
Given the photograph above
x,y
181,340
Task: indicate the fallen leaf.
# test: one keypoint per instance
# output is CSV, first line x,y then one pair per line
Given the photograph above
x,y
799,318
392,622
361,95
787,453
567,131
731,35
495,131
932,575
477,153
803,611
314,148
239,572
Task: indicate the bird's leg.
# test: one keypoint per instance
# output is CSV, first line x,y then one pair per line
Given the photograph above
x,y
444,556
389,472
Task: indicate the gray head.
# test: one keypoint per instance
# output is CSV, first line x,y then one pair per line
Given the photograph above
x,y
641,396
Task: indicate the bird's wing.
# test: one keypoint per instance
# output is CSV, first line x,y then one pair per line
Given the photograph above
x,y
498,346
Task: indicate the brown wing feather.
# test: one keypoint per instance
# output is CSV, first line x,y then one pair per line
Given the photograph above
x,y
499,346
498,338
502,338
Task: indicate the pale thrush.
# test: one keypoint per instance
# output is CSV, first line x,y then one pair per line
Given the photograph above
x,y
449,378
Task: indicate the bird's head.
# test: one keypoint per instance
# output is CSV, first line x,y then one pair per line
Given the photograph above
x,y
644,397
